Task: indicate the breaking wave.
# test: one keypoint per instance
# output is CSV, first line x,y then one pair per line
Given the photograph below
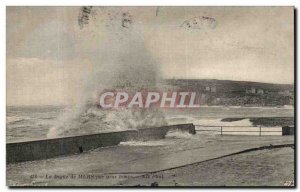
x,y
144,143
122,61
15,119
178,134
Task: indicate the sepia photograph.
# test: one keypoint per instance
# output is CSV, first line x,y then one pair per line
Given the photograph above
x,y
150,96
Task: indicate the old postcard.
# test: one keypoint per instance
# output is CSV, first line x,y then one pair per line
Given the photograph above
x,y
150,96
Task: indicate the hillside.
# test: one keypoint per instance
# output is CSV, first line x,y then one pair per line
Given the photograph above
x,y
237,93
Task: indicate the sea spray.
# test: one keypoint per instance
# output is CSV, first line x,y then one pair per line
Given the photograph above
x,y
178,134
118,59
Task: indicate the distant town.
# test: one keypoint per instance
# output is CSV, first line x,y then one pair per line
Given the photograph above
x,y
237,93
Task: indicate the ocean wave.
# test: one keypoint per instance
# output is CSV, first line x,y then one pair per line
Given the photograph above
x,y
178,134
16,119
143,143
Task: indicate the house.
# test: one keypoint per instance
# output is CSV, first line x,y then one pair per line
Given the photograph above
x,y
285,93
213,89
260,91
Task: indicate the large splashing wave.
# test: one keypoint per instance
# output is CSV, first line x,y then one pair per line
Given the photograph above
x,y
119,60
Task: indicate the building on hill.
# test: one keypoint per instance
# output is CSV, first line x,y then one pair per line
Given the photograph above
x,y
213,89
285,93
260,91
251,90
207,88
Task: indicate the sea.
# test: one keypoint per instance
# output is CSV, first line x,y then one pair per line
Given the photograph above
x,y
26,123
176,149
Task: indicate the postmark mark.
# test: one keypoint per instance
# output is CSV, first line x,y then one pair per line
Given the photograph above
x,y
84,16
126,19
201,22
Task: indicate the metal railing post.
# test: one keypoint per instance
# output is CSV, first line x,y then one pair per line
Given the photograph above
x,y
259,130
221,130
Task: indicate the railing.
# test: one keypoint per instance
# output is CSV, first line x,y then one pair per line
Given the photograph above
x,y
240,130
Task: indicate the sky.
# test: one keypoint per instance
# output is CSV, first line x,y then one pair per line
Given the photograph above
x,y
50,56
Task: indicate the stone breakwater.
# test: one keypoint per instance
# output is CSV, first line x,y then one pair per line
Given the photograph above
x,y
50,148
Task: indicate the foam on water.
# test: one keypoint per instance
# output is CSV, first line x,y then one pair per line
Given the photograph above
x,y
13,119
178,134
219,122
144,143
